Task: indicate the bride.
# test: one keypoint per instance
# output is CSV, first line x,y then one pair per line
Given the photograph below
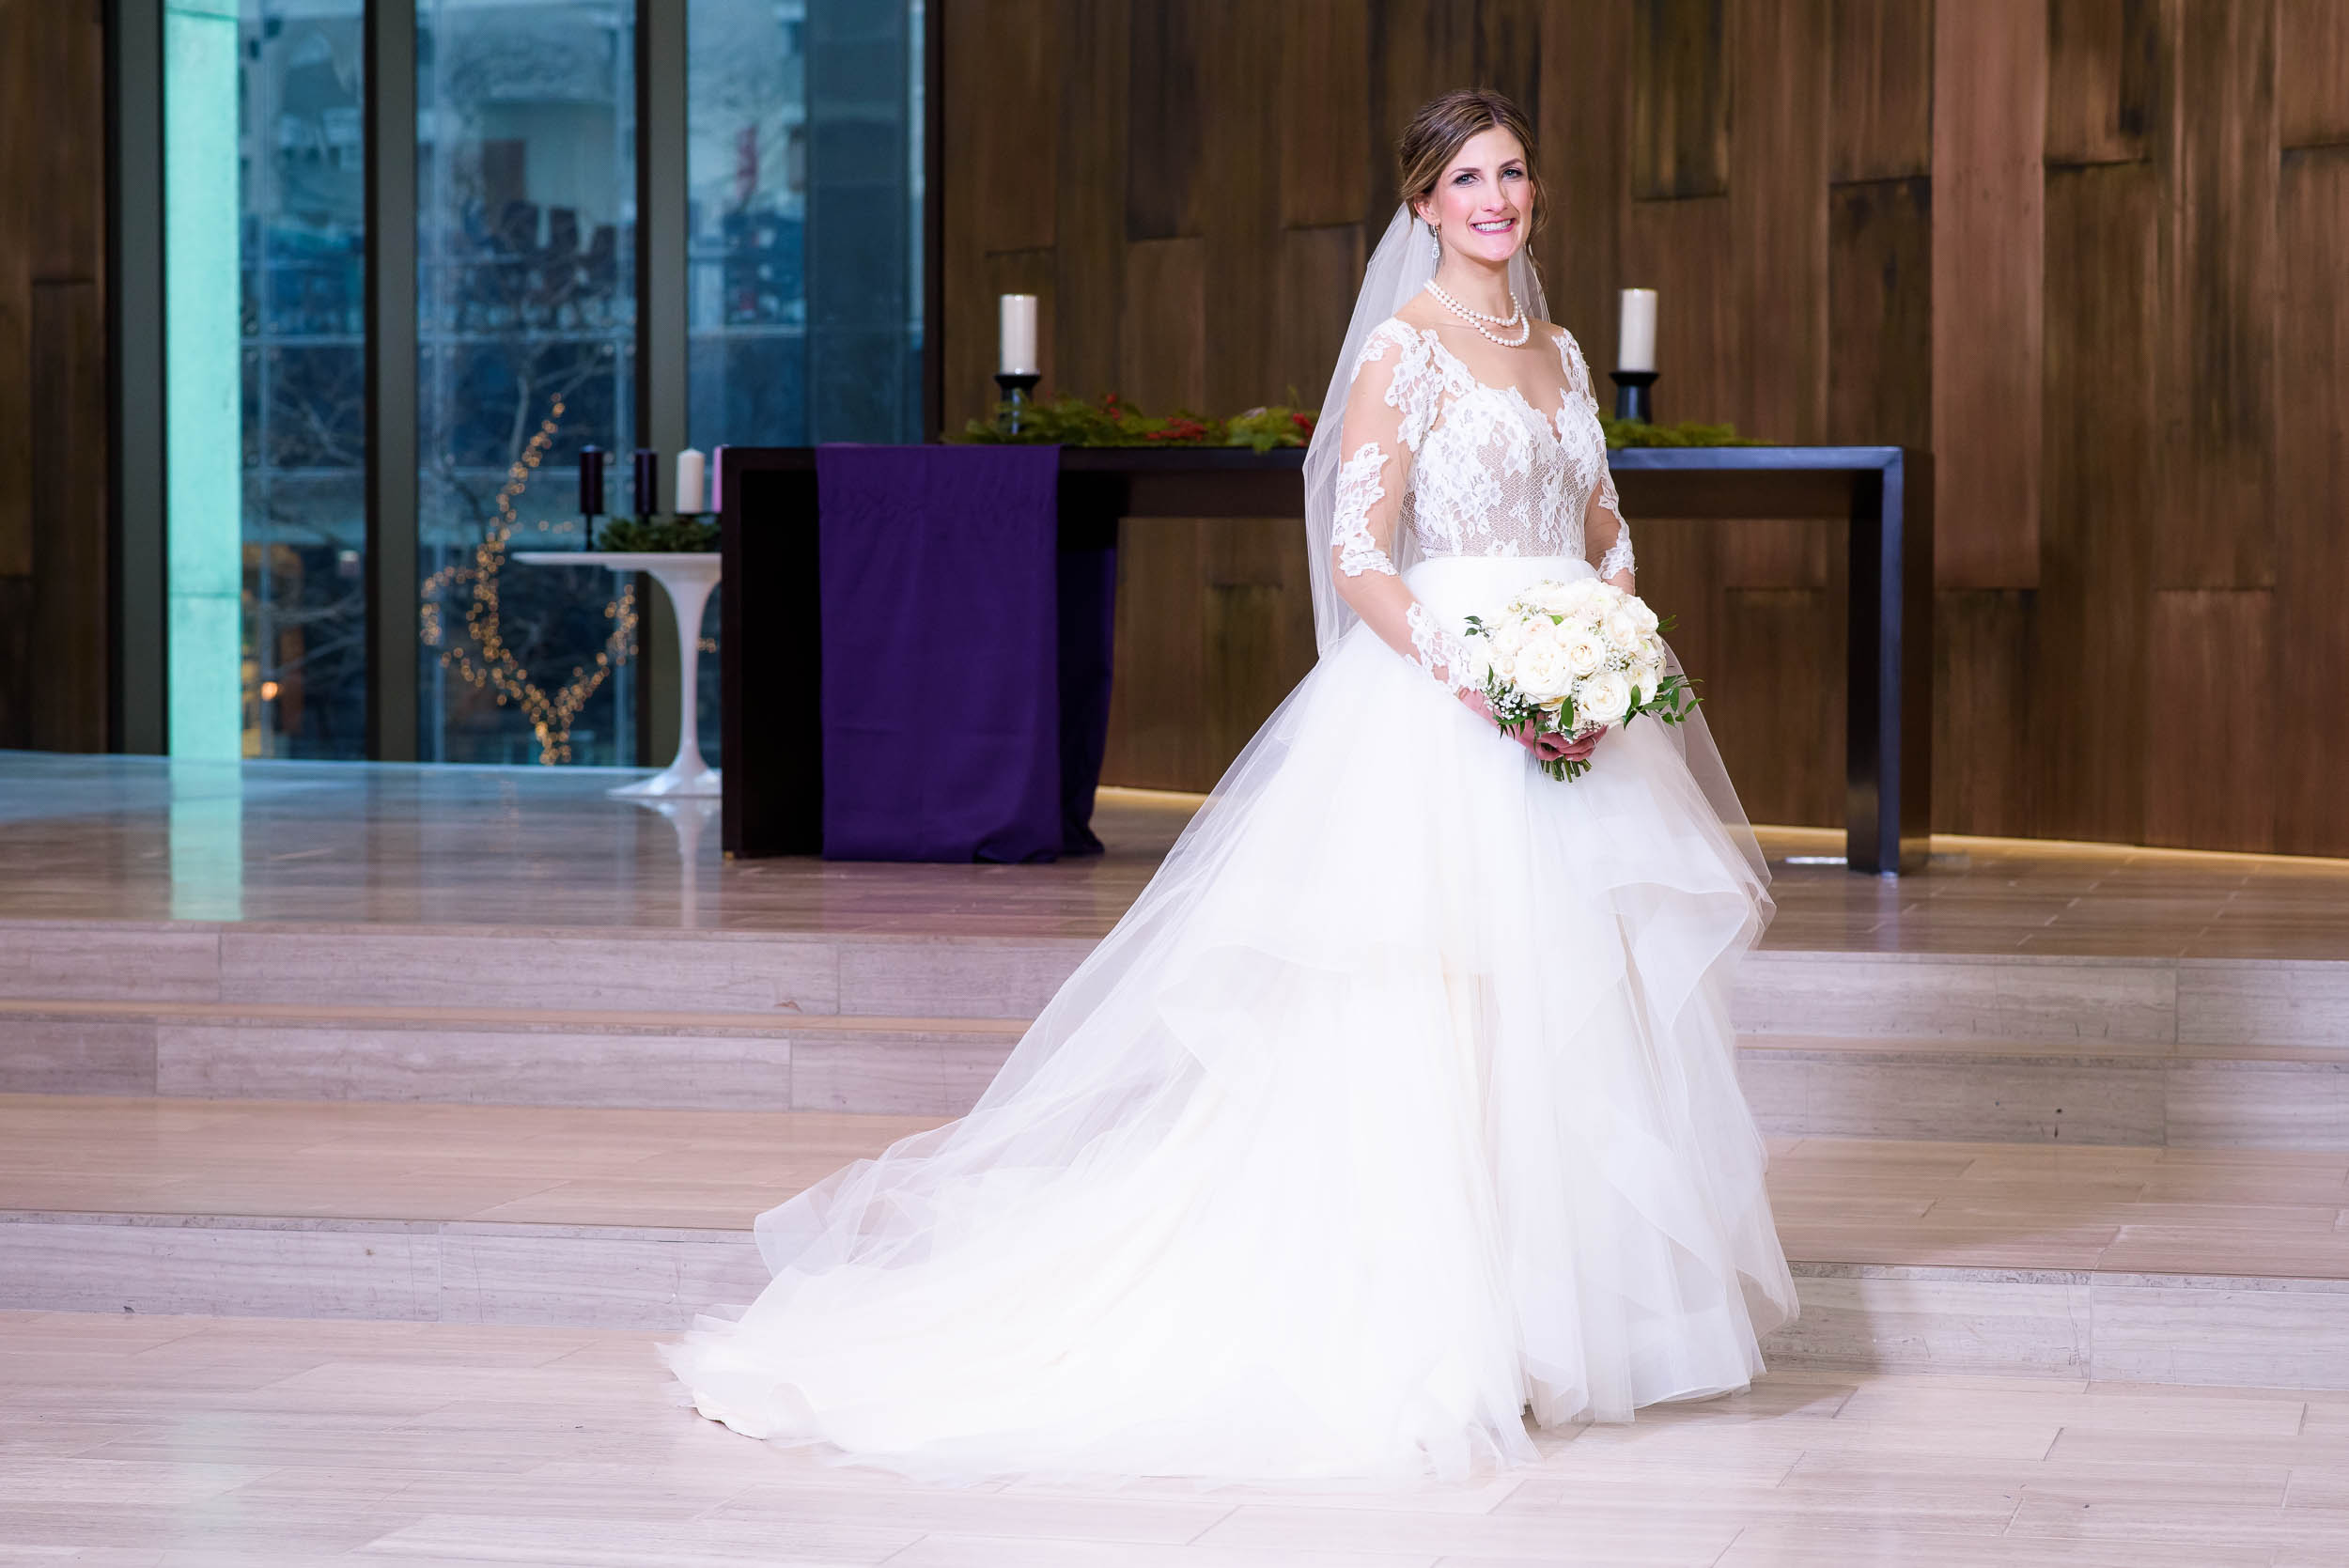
x,y
1404,1101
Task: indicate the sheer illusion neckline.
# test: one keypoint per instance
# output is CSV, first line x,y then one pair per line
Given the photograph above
x,y
1553,425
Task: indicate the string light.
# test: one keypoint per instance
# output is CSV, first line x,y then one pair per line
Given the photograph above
x,y
552,714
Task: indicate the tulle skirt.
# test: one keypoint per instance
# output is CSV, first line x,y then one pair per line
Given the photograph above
x,y
1403,1103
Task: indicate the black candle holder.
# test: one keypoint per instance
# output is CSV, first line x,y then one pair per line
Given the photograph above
x,y
1015,386
1632,399
591,465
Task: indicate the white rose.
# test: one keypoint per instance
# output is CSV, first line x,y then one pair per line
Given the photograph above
x,y
1647,674
1623,631
1603,699
1583,651
1579,598
1540,673
1546,597
1642,615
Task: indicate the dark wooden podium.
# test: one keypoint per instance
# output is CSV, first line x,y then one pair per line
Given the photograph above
x,y
771,650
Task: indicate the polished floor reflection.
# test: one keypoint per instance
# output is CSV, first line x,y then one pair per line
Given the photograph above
x,y
124,838
189,1441
2278,1213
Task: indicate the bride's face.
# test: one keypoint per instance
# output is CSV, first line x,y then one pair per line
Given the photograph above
x,y
1483,203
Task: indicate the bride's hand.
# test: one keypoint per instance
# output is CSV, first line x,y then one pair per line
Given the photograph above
x,y
1555,747
1545,745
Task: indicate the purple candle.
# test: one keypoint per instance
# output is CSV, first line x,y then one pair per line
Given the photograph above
x,y
647,482
591,481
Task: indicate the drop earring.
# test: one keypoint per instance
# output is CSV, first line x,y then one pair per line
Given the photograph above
x,y
1435,241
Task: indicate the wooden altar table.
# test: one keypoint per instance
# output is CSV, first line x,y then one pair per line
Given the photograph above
x,y
774,774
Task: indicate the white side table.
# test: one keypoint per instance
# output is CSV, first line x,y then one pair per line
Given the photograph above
x,y
688,576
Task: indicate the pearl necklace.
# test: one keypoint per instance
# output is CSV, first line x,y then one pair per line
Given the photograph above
x,y
1478,320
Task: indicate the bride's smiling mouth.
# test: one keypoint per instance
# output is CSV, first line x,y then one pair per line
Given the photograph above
x,y
1495,226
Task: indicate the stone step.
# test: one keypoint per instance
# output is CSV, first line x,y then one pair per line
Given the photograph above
x,y
2117,1263
2281,1332
783,975
701,1061
2101,1092
2163,1095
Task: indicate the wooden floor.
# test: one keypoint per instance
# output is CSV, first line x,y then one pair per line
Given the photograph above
x,y
122,838
255,1443
133,1438
2268,1213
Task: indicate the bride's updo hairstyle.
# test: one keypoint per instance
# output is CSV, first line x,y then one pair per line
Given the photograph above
x,y
1443,126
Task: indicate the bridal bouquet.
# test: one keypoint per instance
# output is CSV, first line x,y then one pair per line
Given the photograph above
x,y
1574,657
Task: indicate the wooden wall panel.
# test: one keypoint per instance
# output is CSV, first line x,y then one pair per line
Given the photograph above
x,y
1418,48
1167,118
1509,52
56,654
1775,696
1162,339
2090,250
1680,574
22,64
1990,98
2313,73
2216,514
1257,625
1242,222
1326,149
2210,727
16,423
2101,449
2106,61
999,174
1157,726
1677,249
1583,130
69,622
1987,765
1010,132
1316,266
1880,90
1778,215
1089,221
1880,363
1680,98
2311,631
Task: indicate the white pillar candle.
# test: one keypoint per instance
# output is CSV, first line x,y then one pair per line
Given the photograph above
x,y
1018,337
689,484
1635,337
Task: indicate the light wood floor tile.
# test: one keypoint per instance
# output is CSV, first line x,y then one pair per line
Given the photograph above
x,y
566,1447
89,838
2246,1212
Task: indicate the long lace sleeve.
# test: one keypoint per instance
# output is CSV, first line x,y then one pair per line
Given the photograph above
x,y
1605,533
1378,441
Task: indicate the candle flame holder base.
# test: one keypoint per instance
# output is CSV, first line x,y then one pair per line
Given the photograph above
x,y
1632,394
1016,387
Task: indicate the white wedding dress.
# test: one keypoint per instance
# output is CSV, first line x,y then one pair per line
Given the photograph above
x,y
1403,1102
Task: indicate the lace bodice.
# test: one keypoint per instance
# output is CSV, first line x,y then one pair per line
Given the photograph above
x,y
1440,463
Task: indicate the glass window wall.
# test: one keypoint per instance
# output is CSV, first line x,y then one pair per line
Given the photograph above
x,y
526,325
805,122
266,220
804,321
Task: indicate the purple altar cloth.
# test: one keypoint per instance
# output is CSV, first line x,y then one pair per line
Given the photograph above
x,y
944,630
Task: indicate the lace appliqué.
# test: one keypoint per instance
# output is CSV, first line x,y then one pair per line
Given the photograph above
x,y
1425,375
1619,557
1491,474
1359,491
1433,646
